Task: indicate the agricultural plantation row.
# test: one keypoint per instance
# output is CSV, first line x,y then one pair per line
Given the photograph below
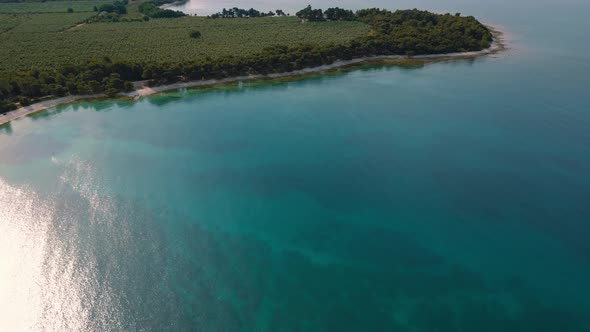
x,y
50,6
48,40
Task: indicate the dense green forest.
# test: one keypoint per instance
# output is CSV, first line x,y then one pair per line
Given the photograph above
x,y
405,32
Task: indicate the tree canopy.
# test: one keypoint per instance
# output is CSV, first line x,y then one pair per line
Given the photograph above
x,y
310,14
243,13
117,7
406,32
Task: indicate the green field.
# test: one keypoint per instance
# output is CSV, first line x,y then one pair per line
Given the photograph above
x,y
50,6
47,40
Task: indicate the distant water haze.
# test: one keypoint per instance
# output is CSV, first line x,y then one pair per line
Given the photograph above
x,y
504,8
292,6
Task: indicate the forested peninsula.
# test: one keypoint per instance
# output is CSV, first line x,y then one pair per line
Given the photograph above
x,y
160,46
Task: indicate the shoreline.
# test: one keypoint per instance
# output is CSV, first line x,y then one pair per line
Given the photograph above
x,y
172,4
498,45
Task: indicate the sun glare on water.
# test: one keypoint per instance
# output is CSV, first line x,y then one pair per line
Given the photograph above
x,y
45,285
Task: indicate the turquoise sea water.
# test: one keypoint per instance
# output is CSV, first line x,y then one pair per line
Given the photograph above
x,y
451,197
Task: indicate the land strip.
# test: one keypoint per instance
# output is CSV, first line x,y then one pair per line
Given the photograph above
x,y
497,46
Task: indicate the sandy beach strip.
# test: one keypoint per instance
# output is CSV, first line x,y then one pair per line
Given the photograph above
x,y
40,106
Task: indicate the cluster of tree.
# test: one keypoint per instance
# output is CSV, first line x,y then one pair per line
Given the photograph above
x,y
401,32
310,14
421,32
330,14
339,14
113,17
117,7
239,13
91,78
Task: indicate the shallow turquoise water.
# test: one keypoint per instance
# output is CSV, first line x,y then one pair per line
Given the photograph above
x,y
452,197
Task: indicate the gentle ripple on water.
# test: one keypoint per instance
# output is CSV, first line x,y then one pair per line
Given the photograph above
x,y
451,197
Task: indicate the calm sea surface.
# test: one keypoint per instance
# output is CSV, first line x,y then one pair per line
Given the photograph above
x,y
451,197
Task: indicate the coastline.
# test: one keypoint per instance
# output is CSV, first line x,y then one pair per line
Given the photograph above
x,y
172,4
498,45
